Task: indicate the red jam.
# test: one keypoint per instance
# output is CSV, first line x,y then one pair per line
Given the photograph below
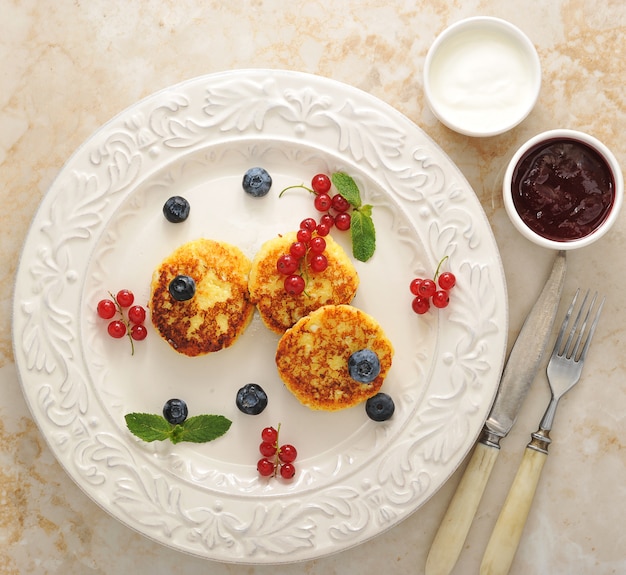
x,y
563,189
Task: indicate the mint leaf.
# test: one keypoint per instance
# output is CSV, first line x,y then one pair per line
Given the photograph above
x,y
202,428
197,429
148,426
363,234
366,210
347,187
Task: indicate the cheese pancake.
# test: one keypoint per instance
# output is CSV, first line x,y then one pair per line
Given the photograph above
x,y
312,357
219,311
337,284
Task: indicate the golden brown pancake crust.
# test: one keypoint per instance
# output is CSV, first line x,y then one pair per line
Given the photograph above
x,y
279,310
220,310
312,357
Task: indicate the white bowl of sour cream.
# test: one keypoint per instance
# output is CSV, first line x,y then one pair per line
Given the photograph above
x,y
482,76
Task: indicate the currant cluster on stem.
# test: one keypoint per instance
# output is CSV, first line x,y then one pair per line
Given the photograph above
x,y
305,254
434,290
130,320
334,207
277,459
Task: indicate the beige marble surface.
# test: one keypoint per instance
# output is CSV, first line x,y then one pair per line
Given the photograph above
x,y
67,66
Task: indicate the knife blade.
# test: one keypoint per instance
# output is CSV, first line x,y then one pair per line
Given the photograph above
x,y
519,372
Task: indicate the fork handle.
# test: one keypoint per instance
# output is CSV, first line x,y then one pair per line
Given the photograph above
x,y
508,529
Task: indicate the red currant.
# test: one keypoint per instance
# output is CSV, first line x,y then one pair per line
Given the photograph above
x,y
298,250
294,284
287,470
305,235
308,224
287,264
270,435
106,309
427,288
287,453
125,298
447,280
342,221
318,262
441,299
265,467
320,183
117,329
267,449
323,202
276,460
322,230
420,305
415,285
317,245
138,332
136,314
327,220
340,203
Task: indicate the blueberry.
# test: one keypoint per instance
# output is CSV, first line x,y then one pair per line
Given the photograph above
x,y
256,182
176,209
175,411
251,399
380,407
364,366
182,288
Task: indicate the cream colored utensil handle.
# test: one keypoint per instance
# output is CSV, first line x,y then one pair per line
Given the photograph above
x,y
448,543
507,532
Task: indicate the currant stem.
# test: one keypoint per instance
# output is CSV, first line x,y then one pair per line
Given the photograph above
x,y
276,453
125,322
302,186
439,267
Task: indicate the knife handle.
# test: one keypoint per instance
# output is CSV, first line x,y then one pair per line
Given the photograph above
x,y
448,543
507,531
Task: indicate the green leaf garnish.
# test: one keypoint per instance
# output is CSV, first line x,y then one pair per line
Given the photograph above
x,y
196,429
347,187
202,428
362,229
363,234
148,426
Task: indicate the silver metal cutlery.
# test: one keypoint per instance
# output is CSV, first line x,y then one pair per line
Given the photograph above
x,y
519,372
564,371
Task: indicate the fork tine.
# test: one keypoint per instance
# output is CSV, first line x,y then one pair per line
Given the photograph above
x,y
567,350
568,314
573,351
592,329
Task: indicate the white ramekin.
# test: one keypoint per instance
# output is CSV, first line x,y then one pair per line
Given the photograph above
x,y
482,76
601,150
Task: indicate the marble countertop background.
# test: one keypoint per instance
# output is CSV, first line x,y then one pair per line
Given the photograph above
x,y
68,66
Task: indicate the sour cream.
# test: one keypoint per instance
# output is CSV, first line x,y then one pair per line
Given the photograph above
x,y
482,76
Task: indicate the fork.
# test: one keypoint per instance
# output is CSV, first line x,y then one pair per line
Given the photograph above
x,y
564,370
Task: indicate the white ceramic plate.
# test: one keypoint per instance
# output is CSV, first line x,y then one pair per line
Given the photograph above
x,y
100,228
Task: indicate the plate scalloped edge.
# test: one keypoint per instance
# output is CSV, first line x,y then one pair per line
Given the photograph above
x,y
73,215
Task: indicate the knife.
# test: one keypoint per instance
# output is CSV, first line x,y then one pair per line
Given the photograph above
x,y
519,372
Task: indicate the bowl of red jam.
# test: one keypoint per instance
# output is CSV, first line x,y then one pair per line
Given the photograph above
x,y
563,189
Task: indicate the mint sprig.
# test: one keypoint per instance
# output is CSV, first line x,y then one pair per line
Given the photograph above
x,y
362,231
197,429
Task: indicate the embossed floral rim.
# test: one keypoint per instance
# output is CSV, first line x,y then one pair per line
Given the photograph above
x,y
445,388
